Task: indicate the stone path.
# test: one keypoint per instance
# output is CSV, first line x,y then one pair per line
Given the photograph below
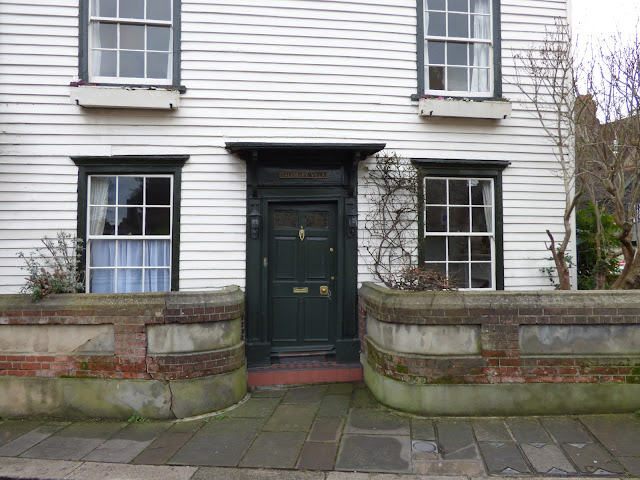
x,y
337,427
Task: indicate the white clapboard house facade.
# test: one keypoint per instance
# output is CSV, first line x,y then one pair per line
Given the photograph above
x,y
197,144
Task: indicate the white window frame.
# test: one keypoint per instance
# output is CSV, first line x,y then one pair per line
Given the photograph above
x,y
120,238
130,21
491,234
459,40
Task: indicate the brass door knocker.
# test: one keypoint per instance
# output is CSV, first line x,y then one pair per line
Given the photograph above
x,y
301,234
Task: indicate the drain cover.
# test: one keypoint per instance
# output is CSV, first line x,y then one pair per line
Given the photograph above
x,y
429,447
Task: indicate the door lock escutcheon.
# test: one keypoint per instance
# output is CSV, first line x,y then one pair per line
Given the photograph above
x,y
324,290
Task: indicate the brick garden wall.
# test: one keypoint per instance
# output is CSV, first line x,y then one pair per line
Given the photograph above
x,y
131,315
575,345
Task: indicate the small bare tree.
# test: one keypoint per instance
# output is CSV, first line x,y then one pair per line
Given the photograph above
x,y
546,76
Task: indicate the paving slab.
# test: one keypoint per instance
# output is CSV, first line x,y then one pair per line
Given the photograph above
x,y
422,429
503,458
527,430
168,443
219,443
566,429
291,418
547,459
361,397
340,389
326,429
274,450
268,393
384,476
620,434
468,468
127,444
490,430
305,394
591,459
31,438
256,408
376,421
374,453
12,429
36,468
632,464
74,441
317,456
334,406
455,439
138,472
212,473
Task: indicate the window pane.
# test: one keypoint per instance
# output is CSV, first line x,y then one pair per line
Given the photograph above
x,y
481,217
481,27
102,281
436,24
157,65
157,280
105,35
104,63
481,6
317,219
435,248
132,37
158,253
132,64
158,191
158,38
103,191
129,280
459,272
481,248
479,80
459,248
435,4
103,8
481,275
159,9
435,51
436,219
130,253
457,78
457,53
436,191
285,220
129,221
481,192
459,219
103,253
458,25
129,190
436,78
131,8
458,192
436,267
158,221
458,5
479,55
102,220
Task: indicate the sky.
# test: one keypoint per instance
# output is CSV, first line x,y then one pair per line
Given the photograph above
x,y
598,19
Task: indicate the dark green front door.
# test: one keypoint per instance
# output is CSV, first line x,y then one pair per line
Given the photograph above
x,y
301,261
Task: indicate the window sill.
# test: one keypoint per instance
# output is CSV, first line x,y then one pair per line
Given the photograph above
x,y
96,96
464,108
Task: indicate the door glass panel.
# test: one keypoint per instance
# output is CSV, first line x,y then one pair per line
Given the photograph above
x,y
285,219
317,219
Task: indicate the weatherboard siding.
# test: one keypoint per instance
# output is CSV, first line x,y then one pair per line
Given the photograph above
x,y
290,71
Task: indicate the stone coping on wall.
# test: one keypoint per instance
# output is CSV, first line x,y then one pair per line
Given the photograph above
x,y
130,342
539,343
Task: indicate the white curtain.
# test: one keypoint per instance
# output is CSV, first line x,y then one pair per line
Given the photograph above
x,y
487,197
158,254
426,50
99,196
481,27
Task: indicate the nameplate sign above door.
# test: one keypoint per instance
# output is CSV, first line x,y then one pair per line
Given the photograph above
x,y
288,176
303,175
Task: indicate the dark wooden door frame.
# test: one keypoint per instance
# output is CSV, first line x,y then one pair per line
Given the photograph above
x,y
339,186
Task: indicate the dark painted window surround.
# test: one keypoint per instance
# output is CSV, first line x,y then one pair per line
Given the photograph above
x,y
134,164
467,168
83,48
497,56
